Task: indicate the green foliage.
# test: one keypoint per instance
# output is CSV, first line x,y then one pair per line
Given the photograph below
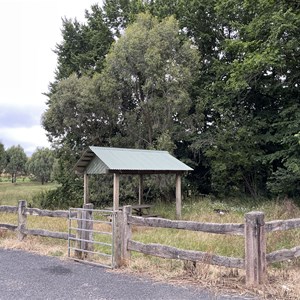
x,y
214,82
60,198
2,157
84,46
149,70
79,115
15,162
40,164
254,114
120,13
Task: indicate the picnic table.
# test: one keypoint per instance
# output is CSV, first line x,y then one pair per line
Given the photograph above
x,y
139,209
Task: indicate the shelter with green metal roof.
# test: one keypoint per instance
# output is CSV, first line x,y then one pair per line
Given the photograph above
x,y
118,161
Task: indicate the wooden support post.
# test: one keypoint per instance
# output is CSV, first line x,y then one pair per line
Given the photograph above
x,y
85,188
88,235
126,234
79,254
141,189
116,192
22,219
255,248
117,239
178,196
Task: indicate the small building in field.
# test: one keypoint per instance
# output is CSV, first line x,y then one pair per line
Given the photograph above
x,y
121,161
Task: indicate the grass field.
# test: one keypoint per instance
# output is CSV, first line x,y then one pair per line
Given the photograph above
x,y
11,193
284,277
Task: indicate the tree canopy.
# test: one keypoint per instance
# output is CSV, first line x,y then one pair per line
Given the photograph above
x,y
40,164
216,82
15,162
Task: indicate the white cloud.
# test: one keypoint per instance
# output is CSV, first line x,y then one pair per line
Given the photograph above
x,y
28,137
29,32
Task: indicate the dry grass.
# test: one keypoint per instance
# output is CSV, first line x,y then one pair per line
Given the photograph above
x,y
282,283
283,279
41,245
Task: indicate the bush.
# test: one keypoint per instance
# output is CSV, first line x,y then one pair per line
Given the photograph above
x,y
59,198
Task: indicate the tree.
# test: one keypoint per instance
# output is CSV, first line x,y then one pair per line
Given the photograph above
x,y
15,162
2,157
41,164
120,13
84,46
79,115
233,116
149,70
255,93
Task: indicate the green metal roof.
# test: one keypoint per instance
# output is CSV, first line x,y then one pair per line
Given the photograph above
x,y
102,160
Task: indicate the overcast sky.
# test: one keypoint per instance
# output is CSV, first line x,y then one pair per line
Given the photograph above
x,y
29,31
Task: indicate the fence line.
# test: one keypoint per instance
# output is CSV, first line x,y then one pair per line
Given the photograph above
x,y
283,254
254,230
282,225
9,209
218,228
175,253
23,211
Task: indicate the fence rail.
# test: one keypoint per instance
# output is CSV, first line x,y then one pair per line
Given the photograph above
x,y
9,209
9,226
23,211
282,225
254,231
175,253
218,228
48,213
283,254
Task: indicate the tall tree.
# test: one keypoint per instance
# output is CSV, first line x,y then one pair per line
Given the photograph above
x,y
84,46
15,162
149,70
80,115
256,97
234,120
41,164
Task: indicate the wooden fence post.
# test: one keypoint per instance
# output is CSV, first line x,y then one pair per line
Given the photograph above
x,y
117,239
22,219
88,235
255,248
126,234
78,253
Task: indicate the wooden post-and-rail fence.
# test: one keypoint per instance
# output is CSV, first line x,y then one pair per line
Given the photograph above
x,y
23,211
254,231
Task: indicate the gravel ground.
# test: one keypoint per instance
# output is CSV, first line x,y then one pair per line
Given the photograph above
x,y
26,275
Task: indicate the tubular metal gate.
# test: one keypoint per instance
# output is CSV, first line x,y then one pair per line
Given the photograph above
x,y
91,236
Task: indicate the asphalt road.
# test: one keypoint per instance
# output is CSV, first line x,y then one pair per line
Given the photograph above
x,y
26,275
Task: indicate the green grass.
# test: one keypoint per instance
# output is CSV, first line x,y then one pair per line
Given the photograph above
x,y
201,210
226,245
11,193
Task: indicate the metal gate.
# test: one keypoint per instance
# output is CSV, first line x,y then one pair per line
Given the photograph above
x,y
91,236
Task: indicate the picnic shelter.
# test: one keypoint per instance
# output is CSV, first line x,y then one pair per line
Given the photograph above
x,y
121,161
